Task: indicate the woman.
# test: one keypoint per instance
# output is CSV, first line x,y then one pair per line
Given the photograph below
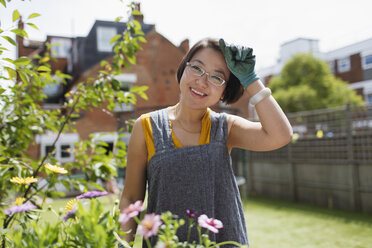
x,y
182,152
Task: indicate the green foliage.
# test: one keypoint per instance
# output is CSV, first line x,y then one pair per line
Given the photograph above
x,y
91,226
94,163
306,83
33,235
167,232
22,117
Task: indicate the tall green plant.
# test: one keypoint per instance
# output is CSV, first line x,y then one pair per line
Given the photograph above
x,y
22,117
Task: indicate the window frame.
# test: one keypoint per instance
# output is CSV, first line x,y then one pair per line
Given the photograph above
x,y
62,47
339,64
46,140
103,39
331,65
127,80
366,65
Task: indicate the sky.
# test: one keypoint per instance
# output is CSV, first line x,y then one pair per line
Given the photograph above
x,y
262,24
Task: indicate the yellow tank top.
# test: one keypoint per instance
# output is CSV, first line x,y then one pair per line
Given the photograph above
x,y
147,130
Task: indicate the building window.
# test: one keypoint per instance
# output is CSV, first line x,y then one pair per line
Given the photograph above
x,y
367,61
64,147
62,152
126,80
369,98
104,34
332,66
343,65
61,46
109,140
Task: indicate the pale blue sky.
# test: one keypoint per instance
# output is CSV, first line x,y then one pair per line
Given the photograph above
x,y
261,24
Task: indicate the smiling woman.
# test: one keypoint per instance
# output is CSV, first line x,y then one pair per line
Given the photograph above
x,y
183,152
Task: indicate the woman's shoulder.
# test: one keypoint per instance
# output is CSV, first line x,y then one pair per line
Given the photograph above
x,y
148,115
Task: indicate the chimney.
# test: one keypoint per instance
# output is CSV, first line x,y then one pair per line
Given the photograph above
x,y
19,39
138,18
184,46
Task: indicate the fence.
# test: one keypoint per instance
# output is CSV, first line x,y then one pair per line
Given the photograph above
x,y
328,163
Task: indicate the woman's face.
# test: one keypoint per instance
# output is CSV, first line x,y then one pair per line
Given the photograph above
x,y
196,91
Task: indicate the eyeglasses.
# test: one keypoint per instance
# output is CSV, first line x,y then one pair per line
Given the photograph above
x,y
197,71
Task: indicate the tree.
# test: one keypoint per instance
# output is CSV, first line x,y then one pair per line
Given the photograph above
x,y
306,83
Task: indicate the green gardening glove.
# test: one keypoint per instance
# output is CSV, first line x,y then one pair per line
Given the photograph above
x,y
241,62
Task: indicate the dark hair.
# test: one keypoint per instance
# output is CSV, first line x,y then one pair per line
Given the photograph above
x,y
234,90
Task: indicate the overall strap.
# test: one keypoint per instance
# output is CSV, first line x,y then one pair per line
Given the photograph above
x,y
161,131
219,130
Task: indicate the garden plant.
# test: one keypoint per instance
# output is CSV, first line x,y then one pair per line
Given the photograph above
x,y
26,183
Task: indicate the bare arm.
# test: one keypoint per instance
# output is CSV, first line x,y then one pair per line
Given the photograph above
x,y
272,132
135,179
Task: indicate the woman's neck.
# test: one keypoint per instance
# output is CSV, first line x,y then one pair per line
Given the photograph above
x,y
188,115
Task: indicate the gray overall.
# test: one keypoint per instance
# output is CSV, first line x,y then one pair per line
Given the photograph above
x,y
199,178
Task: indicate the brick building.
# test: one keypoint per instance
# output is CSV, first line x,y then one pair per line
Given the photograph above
x,y
352,63
156,67
80,57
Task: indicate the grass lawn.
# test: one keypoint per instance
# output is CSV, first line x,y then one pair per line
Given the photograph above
x,y
275,223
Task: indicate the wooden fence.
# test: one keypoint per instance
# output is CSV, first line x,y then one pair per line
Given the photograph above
x,y
328,163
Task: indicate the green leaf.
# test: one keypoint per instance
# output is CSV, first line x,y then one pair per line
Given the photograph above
x,y
44,59
46,76
137,89
131,59
136,12
10,40
23,77
20,32
3,48
32,25
2,91
103,63
22,61
12,73
97,186
33,15
141,39
103,72
16,15
143,95
1,30
43,68
3,3
118,18
9,60
115,38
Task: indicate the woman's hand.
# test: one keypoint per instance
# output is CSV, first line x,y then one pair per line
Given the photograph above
x,y
241,62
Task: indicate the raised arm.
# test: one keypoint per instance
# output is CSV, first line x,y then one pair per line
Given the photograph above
x,y
135,178
272,132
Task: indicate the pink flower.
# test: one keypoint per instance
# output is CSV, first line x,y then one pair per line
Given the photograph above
x,y
211,224
149,225
132,210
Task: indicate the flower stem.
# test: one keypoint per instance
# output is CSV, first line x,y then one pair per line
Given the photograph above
x,y
148,243
136,219
190,226
199,231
